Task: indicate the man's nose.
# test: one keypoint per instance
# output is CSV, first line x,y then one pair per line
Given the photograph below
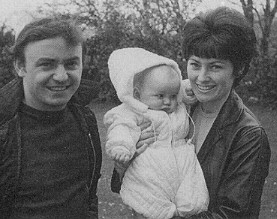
x,y
60,73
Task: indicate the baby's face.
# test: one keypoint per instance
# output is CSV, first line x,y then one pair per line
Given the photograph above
x,y
160,89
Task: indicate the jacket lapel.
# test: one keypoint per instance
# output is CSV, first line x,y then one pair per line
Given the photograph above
x,y
229,113
11,96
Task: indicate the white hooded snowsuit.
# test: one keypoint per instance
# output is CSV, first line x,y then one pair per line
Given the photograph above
x,y
166,179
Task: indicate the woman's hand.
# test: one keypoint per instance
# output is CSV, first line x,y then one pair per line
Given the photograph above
x,y
147,137
188,95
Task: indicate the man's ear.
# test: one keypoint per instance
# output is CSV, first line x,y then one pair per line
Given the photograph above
x,y
19,68
136,93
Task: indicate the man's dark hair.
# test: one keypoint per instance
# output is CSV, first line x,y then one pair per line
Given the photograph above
x,y
47,28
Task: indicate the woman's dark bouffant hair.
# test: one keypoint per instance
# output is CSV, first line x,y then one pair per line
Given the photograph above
x,y
222,33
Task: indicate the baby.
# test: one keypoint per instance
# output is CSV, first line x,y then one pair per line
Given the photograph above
x,y
166,180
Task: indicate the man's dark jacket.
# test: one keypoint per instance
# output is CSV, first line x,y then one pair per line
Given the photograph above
x,y
11,96
235,161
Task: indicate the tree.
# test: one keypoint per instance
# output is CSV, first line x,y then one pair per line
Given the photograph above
x,y
264,18
264,66
6,64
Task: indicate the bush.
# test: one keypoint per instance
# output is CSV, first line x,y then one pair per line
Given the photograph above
x,y
87,91
260,85
6,60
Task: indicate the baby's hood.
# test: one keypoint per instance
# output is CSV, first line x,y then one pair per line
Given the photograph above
x,y
125,63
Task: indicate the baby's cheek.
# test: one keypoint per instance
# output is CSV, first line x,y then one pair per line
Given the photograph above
x,y
174,105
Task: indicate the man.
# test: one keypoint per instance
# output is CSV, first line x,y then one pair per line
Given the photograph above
x,y
50,152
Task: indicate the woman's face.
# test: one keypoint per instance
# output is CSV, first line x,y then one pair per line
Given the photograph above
x,y
211,80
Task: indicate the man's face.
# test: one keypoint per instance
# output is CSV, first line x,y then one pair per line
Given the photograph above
x,y
51,74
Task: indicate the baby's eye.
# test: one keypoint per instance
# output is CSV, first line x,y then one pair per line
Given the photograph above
x,y
160,96
174,96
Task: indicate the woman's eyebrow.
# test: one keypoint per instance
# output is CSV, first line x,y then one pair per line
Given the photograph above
x,y
218,62
193,59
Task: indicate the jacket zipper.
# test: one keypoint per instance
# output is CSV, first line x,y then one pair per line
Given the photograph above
x,y
94,165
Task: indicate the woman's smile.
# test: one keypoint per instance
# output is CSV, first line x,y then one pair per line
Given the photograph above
x,y
205,88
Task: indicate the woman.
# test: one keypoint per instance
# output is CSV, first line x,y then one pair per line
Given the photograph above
x,y
231,145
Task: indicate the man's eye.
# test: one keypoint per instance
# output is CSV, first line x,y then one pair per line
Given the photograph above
x,y
46,64
72,65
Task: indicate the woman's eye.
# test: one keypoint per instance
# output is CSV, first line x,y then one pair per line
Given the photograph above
x,y
216,67
194,65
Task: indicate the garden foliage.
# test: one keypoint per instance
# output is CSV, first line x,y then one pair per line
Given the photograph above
x,y
154,25
6,63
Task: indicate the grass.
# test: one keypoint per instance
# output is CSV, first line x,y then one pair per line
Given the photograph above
x,y
110,205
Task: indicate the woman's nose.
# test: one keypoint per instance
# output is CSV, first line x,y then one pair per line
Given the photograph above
x,y
60,73
203,74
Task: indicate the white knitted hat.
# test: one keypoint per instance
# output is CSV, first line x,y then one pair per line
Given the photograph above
x,y
125,63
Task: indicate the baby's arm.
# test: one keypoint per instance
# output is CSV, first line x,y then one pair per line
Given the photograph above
x,y
122,135
120,154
